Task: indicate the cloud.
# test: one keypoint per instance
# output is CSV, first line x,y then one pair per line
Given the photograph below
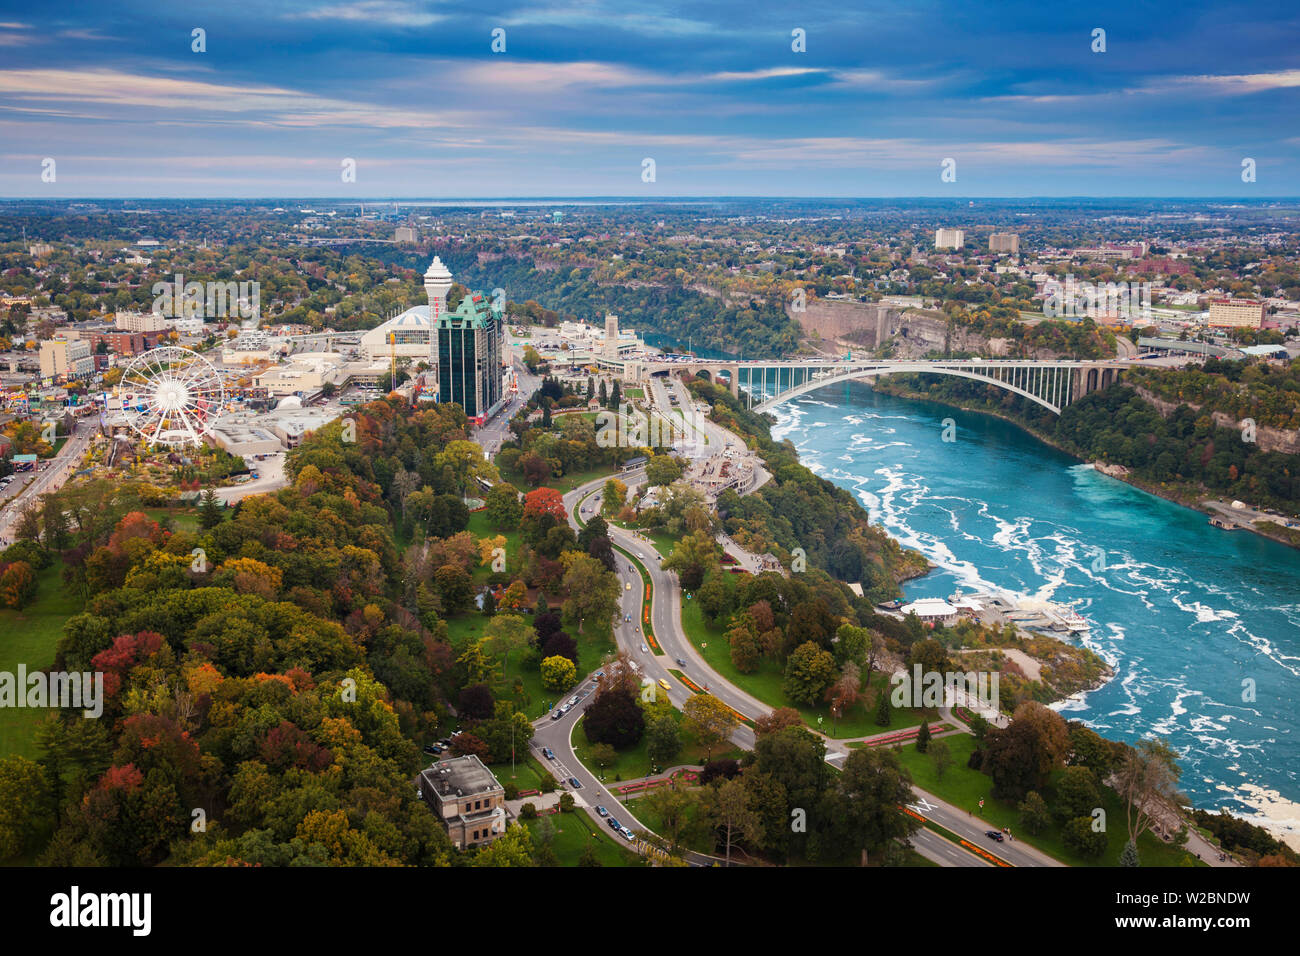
x,y
388,12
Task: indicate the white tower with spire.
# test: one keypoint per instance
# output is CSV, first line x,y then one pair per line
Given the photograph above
x,y
437,283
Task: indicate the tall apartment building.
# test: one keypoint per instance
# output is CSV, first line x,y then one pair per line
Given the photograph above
x,y
404,234
949,238
1007,242
1236,313
467,799
66,358
469,358
141,321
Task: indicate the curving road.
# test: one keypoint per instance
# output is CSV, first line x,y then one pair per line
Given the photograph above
x,y
665,618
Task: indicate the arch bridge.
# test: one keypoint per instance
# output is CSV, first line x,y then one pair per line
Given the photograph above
x,y
1052,384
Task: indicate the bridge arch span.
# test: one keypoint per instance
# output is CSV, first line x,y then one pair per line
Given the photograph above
x,y
859,374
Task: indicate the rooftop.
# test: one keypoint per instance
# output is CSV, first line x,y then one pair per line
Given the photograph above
x,y
460,776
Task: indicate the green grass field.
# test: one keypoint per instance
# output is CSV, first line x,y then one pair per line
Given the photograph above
x,y
573,831
593,646
964,788
635,762
30,637
765,684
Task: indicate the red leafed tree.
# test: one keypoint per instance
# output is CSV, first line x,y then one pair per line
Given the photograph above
x,y
127,651
136,524
545,501
288,746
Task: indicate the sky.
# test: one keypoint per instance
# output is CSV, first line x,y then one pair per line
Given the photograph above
x,y
1017,95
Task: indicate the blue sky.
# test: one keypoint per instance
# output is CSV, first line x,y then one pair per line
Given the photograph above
x,y
588,89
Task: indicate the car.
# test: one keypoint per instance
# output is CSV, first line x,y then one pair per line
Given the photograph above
x,y
627,586
432,750
664,684
602,812
566,708
600,673
548,753
573,782
557,714
627,835
993,835
644,649
614,824
573,700
681,662
640,555
627,618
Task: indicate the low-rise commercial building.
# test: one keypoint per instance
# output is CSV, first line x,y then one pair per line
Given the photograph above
x,y
466,798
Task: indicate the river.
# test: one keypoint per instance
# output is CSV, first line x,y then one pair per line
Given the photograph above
x,y
1201,626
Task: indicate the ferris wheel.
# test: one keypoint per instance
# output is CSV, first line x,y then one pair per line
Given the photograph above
x,y
171,396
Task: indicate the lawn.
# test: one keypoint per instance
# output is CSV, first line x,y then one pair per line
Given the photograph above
x,y
480,528
964,788
527,773
765,684
634,762
573,831
535,699
30,637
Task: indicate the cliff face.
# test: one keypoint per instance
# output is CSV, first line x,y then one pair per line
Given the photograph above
x,y
915,331
1268,439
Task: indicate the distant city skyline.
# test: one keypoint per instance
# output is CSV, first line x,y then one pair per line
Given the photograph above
x,y
587,90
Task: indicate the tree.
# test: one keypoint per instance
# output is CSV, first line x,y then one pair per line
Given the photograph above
x,y
614,718
476,702
209,510
663,739
1128,857
882,710
614,496
746,649
506,633
715,595
502,508
455,588
709,720
691,558
1034,815
777,720
809,671
923,737
602,755
55,522
844,693
24,805
1147,782
1080,837
593,592
1021,756
662,470
869,800
674,808
727,808
535,468
558,673
1077,794
513,849
17,585
940,757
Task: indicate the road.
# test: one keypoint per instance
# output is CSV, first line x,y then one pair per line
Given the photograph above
x,y
49,478
492,435
271,477
665,616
